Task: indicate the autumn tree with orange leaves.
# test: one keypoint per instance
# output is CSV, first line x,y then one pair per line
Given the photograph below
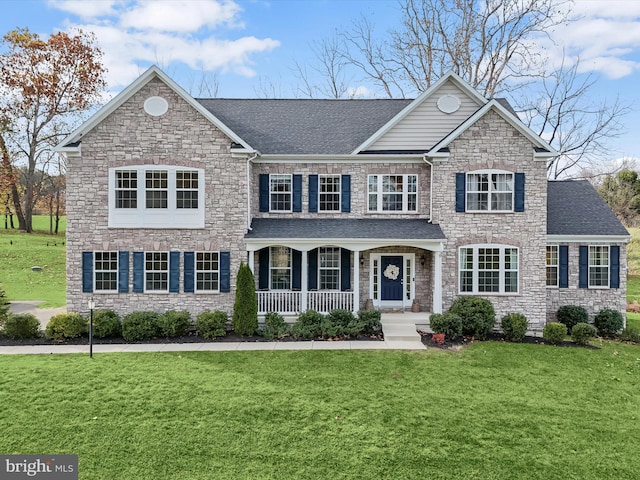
x,y
45,85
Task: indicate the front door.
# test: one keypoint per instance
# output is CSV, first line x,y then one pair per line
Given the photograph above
x,y
391,280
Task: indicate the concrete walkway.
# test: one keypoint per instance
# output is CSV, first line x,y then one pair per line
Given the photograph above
x,y
31,306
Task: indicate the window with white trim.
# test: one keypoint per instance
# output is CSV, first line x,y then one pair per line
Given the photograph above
x,y
599,265
488,269
329,268
329,193
207,272
126,189
280,268
393,193
489,191
156,188
105,271
280,192
553,263
164,197
156,272
186,189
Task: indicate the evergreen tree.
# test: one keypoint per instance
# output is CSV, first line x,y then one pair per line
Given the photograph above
x,y
245,309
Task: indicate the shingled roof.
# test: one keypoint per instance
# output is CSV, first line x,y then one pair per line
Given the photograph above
x,y
304,126
575,208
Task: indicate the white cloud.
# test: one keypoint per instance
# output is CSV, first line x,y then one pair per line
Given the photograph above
x,y
86,9
359,92
134,35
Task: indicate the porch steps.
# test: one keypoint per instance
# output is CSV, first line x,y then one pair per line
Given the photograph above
x,y
400,328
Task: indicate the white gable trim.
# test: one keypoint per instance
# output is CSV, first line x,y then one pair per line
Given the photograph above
x,y
459,82
151,73
600,239
506,115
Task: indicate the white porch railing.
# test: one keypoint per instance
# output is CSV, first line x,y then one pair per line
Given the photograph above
x,y
325,301
284,301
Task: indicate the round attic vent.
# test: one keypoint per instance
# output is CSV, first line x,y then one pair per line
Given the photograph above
x,y
156,106
448,104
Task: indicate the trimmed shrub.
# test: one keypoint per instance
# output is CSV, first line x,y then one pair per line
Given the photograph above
x,y
554,332
22,326
245,308
212,324
569,315
275,326
514,326
582,332
308,325
629,334
106,323
140,326
370,321
448,323
64,326
477,314
174,324
608,322
344,323
4,307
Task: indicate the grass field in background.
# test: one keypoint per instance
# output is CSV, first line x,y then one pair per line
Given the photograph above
x,y
21,251
494,410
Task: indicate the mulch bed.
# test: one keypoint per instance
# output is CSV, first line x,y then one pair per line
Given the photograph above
x,y
428,341
191,338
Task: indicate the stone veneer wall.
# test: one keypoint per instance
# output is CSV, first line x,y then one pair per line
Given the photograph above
x,y
492,143
129,136
592,299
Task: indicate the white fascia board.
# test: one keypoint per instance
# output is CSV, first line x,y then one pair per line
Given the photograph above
x,y
132,89
450,75
506,115
386,158
588,238
360,244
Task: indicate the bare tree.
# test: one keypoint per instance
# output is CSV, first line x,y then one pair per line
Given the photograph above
x,y
330,70
205,84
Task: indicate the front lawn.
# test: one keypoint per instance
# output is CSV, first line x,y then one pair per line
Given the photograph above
x,y
494,410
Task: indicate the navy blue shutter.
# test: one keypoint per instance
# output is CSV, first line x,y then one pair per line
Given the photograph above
x,y
519,192
138,272
460,191
225,271
297,193
563,270
87,272
584,267
264,192
189,272
614,266
263,269
174,272
345,186
296,281
313,193
312,259
123,272
345,269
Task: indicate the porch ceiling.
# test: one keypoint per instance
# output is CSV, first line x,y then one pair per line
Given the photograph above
x,y
353,233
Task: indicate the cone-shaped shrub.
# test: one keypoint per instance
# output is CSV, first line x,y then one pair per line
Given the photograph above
x,y
245,309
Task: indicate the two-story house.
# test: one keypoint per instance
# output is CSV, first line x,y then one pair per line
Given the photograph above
x,y
333,203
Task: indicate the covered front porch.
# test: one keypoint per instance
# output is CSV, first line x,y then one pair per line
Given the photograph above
x,y
327,264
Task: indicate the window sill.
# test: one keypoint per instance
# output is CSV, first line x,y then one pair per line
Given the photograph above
x,y
491,294
205,292
485,212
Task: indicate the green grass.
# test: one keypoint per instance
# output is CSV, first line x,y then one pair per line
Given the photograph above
x,y
633,251
21,251
633,320
494,411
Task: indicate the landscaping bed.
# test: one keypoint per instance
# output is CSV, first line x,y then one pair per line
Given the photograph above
x,y
457,344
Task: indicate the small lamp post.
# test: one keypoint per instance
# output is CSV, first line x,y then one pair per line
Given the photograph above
x,y
92,305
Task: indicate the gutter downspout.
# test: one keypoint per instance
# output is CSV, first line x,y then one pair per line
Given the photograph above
x,y
430,187
256,154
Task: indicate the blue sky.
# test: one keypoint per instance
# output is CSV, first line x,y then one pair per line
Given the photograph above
x,y
252,45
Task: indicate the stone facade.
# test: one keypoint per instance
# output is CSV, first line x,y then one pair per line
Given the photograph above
x,y
127,137
592,299
492,143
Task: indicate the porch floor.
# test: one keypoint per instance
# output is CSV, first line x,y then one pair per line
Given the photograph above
x,y
403,327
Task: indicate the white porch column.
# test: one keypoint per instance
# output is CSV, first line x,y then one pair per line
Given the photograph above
x,y
437,282
356,281
251,260
304,284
